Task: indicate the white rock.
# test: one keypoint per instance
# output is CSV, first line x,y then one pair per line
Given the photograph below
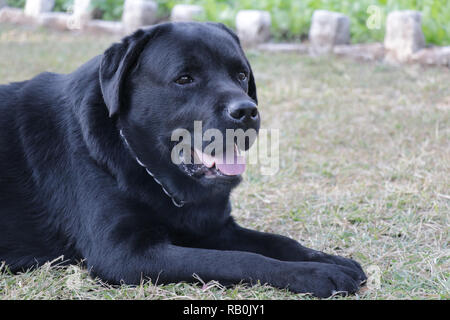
x,y
83,10
54,20
35,7
139,13
102,26
328,29
403,35
253,26
186,12
284,47
432,56
15,16
361,51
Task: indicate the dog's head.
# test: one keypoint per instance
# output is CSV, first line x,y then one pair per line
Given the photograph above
x,y
189,76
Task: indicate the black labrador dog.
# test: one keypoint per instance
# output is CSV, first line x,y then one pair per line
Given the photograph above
x,y
86,169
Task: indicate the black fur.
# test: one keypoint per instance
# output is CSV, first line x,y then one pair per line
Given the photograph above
x,y
70,186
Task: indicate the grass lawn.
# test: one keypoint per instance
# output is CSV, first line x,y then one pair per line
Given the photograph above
x,y
364,171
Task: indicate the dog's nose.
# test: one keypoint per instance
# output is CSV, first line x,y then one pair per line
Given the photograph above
x,y
243,111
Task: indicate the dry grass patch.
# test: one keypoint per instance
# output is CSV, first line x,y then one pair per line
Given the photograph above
x,y
364,171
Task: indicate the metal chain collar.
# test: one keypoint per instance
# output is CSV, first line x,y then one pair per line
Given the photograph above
x,y
176,202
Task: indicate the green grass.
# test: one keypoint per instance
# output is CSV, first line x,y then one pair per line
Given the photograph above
x,y
364,170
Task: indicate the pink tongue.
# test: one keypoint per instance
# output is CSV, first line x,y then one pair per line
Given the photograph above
x,y
232,169
235,166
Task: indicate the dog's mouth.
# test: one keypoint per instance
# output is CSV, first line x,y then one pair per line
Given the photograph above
x,y
210,166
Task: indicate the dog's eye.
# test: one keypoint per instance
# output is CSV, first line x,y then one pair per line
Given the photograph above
x,y
242,76
186,79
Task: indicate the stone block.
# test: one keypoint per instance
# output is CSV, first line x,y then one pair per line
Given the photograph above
x,y
36,7
328,29
253,26
186,12
403,35
139,13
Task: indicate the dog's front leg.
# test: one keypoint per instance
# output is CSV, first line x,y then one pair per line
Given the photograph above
x,y
166,263
123,241
235,237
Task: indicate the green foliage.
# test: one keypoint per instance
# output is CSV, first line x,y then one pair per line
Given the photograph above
x,y
109,9
16,3
104,9
62,5
291,19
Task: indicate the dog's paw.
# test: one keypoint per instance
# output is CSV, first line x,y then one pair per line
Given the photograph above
x,y
349,263
323,280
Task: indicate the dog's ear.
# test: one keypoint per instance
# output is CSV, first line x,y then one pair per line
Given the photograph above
x,y
251,80
115,64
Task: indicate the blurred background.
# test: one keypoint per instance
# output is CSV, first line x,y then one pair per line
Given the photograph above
x,y
291,19
359,93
